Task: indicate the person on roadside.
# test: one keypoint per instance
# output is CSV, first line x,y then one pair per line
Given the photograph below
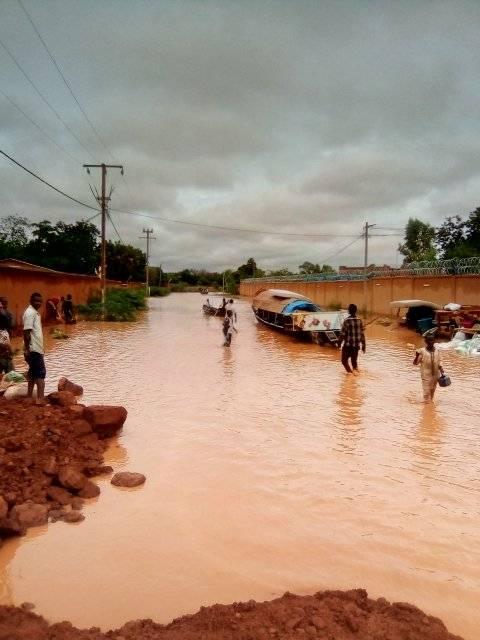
x,y
51,309
6,362
228,328
6,312
428,357
352,338
33,347
67,309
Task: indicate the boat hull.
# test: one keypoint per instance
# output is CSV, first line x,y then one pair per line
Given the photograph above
x,y
218,312
285,324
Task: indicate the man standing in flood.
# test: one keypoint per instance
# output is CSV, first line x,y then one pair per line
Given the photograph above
x,y
33,347
352,338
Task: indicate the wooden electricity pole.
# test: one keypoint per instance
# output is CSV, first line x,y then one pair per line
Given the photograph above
x,y
147,237
365,268
102,200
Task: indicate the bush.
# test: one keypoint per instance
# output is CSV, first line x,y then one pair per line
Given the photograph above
x,y
121,305
159,292
178,288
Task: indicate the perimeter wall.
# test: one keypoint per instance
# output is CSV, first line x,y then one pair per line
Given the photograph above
x,y
18,284
463,289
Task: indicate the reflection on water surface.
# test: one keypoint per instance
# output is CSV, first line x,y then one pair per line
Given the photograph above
x,y
268,470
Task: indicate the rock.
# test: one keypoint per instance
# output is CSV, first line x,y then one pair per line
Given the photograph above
x,y
64,384
81,427
73,516
77,504
127,479
60,495
99,471
29,514
56,514
3,507
89,490
76,410
105,420
71,478
50,467
62,398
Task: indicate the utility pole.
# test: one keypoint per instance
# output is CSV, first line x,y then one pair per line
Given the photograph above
x,y
102,200
147,237
365,268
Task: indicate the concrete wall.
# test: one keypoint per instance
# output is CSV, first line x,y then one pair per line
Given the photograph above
x,y
380,291
17,285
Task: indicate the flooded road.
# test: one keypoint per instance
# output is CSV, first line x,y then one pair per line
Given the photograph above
x,y
267,470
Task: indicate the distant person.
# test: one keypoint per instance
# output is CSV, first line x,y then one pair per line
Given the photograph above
x,y
428,357
229,307
224,304
6,362
67,309
51,310
33,347
6,311
228,328
352,337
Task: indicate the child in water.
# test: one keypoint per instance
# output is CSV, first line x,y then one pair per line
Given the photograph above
x,y
428,357
228,328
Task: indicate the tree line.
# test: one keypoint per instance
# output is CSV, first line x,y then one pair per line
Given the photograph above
x,y
456,237
72,248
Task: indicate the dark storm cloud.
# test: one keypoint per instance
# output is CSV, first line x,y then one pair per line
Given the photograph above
x,y
302,117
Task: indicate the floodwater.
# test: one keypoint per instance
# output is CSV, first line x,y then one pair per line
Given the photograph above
x,y
268,469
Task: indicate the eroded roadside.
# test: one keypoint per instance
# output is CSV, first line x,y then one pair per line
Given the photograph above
x,y
327,615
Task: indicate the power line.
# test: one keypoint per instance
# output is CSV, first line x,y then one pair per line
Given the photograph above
x,y
113,225
44,99
333,255
35,124
65,81
48,183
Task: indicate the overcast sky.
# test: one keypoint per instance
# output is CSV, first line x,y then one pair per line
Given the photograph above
x,y
303,117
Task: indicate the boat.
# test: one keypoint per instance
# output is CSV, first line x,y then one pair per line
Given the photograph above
x,y
298,316
420,314
211,310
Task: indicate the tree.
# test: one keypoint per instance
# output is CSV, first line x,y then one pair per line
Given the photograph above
x,y
459,238
247,270
125,263
72,248
13,236
418,245
309,268
280,272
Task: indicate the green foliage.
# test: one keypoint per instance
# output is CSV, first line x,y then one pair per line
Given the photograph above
x,y
458,238
159,292
121,305
279,272
178,288
13,237
418,244
125,263
309,268
65,247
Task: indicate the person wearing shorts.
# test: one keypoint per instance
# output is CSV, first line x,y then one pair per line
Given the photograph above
x,y
33,347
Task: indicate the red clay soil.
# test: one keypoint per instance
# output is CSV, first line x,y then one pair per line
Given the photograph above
x,y
328,615
47,455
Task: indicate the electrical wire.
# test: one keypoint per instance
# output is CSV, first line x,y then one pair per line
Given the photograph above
x,y
35,124
333,255
47,183
113,225
44,99
65,81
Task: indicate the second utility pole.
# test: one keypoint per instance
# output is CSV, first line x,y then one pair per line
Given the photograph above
x,y
365,268
146,237
103,203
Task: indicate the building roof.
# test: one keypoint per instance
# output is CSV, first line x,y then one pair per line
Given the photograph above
x,y
20,265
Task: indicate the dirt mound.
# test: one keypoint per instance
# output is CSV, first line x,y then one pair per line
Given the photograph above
x,y
47,455
328,615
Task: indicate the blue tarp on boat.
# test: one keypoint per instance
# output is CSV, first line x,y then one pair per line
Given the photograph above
x,y
300,305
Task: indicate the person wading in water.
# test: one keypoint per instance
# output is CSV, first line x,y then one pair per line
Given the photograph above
x,y
428,357
352,338
228,328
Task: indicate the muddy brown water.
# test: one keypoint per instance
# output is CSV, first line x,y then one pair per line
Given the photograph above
x,y
268,470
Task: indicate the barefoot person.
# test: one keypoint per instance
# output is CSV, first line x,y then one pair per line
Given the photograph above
x,y
352,338
33,347
428,357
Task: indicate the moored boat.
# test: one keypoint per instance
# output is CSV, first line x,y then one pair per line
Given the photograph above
x,y
210,310
297,315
